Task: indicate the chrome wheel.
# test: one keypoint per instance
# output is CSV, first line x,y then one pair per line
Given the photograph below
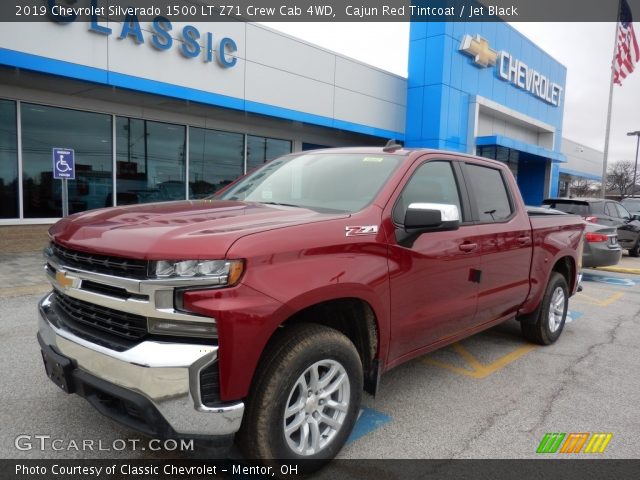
x,y
556,309
317,407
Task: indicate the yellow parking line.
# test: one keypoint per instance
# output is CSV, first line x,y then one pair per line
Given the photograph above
x,y
583,297
477,369
468,357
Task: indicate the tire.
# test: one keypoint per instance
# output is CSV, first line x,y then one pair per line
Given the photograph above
x,y
551,316
635,250
280,382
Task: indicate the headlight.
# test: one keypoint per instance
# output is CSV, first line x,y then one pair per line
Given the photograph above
x,y
220,272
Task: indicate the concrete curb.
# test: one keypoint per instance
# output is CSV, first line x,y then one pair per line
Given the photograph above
x,y
635,271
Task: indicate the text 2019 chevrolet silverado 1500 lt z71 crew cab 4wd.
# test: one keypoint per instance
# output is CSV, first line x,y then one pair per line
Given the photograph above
x,y
264,312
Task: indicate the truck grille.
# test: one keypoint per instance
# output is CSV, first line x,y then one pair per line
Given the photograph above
x,y
105,326
117,266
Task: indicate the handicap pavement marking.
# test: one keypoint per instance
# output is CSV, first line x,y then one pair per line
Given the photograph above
x,y
572,315
624,282
368,421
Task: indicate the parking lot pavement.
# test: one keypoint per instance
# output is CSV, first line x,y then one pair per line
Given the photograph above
x,y
22,274
495,396
490,396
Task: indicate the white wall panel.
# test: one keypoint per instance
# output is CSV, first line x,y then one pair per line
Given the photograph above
x,y
67,42
272,68
361,78
285,53
363,109
283,89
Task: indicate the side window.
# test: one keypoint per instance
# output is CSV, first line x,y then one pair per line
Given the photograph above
x,y
596,207
622,212
610,210
491,196
432,182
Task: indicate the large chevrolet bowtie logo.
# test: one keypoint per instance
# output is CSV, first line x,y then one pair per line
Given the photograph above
x,y
64,281
478,48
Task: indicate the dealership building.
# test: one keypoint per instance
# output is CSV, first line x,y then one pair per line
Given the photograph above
x,y
157,111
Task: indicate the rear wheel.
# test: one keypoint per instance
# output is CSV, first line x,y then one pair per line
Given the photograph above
x,y
549,323
635,250
305,399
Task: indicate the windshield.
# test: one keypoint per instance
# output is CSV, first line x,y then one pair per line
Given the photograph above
x,y
344,182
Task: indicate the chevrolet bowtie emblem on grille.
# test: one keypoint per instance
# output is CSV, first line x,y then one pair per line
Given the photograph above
x,y
64,281
478,48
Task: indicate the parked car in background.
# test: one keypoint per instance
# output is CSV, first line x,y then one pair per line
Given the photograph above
x,y
601,247
604,212
632,204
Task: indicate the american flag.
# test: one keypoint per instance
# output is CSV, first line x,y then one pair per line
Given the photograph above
x,y
627,50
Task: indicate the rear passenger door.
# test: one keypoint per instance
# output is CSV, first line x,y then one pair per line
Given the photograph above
x,y
612,216
505,243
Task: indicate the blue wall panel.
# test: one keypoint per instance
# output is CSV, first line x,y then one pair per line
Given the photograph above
x,y
451,80
531,176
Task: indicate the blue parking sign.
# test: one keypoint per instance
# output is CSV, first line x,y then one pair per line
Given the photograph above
x,y
64,165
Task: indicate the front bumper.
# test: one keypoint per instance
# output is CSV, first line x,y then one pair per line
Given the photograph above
x,y
153,387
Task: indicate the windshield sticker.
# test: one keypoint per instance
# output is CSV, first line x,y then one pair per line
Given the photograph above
x,y
361,230
373,159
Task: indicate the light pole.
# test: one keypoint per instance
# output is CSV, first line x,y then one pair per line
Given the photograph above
x,y
635,168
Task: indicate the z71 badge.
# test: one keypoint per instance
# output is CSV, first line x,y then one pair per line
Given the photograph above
x,y
361,230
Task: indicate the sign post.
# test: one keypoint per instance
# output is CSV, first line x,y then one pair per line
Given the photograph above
x,y
64,168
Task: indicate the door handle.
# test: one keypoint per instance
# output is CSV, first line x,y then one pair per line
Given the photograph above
x,y
524,240
468,247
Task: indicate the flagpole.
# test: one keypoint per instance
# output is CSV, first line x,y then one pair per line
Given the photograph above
x,y
608,128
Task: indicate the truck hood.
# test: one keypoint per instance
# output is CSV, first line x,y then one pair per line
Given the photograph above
x,y
202,229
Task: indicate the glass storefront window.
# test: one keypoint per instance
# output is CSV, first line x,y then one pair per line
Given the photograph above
x,y
261,150
150,161
8,160
215,160
89,134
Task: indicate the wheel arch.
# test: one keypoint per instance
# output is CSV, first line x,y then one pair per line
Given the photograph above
x,y
565,266
353,317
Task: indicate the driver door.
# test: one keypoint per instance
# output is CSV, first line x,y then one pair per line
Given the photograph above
x,y
433,289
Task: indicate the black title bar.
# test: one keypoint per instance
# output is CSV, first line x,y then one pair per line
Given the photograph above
x,y
315,10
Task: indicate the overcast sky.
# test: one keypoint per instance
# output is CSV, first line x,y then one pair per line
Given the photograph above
x,y
586,49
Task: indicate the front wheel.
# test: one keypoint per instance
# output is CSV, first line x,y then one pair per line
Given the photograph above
x,y
635,250
305,399
547,326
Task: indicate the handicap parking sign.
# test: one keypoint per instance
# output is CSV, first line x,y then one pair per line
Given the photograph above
x,y
64,165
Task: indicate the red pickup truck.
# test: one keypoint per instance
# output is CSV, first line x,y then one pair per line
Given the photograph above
x,y
265,311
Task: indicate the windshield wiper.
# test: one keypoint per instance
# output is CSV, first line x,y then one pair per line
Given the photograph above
x,y
281,204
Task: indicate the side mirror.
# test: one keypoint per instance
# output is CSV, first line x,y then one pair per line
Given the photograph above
x,y
635,217
431,217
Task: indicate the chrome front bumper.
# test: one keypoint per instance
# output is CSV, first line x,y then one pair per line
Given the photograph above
x,y
167,374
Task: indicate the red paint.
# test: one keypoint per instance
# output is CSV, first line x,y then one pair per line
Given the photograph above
x,y
423,297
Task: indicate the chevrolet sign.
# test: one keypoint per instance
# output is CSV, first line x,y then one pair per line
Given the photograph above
x,y
511,69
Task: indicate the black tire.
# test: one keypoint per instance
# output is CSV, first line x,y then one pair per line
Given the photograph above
x,y
539,329
635,250
294,351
